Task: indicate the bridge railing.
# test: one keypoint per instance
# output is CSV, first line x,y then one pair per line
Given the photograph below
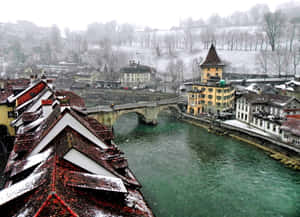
x,y
107,108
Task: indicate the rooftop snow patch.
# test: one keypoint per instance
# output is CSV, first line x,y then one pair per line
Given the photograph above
x,y
96,182
20,188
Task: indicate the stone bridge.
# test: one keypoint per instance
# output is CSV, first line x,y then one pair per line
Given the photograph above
x,y
147,111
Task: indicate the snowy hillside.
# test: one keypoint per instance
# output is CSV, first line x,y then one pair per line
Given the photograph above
x,y
238,61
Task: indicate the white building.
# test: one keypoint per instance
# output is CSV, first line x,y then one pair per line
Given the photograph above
x,y
266,111
137,75
291,132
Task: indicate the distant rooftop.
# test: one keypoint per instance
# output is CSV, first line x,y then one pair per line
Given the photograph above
x,y
137,68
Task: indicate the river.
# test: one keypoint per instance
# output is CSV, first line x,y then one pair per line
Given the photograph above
x,y
187,172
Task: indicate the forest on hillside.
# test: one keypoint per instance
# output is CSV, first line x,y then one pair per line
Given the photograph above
x,y
270,38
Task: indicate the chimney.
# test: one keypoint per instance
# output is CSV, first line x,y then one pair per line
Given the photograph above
x,y
31,79
47,107
50,83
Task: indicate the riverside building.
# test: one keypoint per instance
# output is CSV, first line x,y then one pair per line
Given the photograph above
x,y
212,94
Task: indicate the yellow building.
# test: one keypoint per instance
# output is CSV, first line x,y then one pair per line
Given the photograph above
x,y
212,94
6,117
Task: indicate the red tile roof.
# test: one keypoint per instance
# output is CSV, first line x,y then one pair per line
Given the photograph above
x,y
70,98
66,189
10,86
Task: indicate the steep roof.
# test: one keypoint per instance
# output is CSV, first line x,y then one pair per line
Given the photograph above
x,y
69,98
270,99
10,85
50,184
212,58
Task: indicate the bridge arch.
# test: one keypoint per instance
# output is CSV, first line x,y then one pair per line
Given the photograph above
x,y
147,113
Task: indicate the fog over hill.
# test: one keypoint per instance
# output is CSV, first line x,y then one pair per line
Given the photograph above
x,y
243,40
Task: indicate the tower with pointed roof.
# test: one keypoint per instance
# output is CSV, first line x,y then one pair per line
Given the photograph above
x,y
212,67
212,95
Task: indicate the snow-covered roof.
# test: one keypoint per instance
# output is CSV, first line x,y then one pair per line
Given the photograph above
x,y
65,121
96,182
20,188
30,162
293,82
83,161
13,98
252,87
284,87
38,103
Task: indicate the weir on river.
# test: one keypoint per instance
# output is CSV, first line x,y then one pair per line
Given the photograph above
x,y
187,172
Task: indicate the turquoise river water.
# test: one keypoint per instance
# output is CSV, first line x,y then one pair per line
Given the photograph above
x,y
187,172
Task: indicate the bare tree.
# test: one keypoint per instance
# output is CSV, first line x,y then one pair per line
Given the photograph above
x,y
295,59
273,25
188,35
170,43
262,60
179,69
291,35
280,60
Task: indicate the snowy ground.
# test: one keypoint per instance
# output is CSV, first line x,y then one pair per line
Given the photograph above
x,y
242,125
240,61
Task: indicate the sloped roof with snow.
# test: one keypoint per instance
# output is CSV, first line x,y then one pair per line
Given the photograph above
x,y
47,183
271,99
31,86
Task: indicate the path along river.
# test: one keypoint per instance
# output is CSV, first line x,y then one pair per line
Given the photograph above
x,y
187,172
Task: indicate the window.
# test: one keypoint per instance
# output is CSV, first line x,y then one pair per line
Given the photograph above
x,y
274,127
209,103
208,75
219,90
203,95
268,125
238,114
242,115
210,96
210,89
246,117
203,88
219,98
261,123
218,104
11,114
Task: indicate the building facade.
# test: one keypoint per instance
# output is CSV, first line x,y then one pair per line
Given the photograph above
x,y
212,94
291,132
266,112
137,75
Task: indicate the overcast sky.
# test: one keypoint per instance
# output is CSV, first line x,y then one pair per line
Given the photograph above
x,y
76,14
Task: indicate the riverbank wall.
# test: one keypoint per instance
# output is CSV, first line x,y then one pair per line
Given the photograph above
x,y
275,149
